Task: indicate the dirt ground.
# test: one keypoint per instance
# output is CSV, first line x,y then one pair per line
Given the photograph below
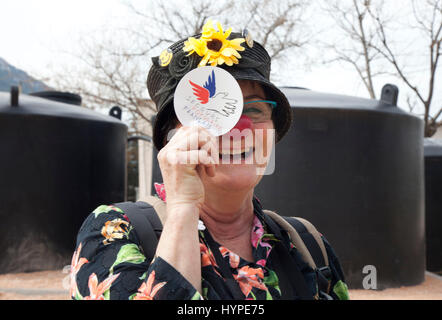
x,y
52,285
430,289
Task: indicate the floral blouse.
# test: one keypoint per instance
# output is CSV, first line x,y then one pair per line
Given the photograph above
x,y
108,263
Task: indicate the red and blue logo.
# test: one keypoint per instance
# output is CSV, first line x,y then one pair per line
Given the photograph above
x,y
205,92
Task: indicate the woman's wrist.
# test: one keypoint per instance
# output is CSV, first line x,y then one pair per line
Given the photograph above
x,y
182,210
179,242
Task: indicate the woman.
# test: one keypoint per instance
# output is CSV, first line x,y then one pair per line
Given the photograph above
x,y
216,242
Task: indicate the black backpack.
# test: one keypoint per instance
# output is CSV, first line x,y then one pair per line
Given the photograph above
x,y
147,219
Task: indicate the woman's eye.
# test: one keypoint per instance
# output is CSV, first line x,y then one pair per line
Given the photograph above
x,y
252,110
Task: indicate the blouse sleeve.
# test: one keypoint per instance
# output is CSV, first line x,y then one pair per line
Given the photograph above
x,y
109,264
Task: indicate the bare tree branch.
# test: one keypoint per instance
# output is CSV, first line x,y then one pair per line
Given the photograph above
x,y
354,22
432,31
368,45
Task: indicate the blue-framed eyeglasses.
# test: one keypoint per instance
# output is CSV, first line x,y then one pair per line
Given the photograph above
x,y
259,110
273,104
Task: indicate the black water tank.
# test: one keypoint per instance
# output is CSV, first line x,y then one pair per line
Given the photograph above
x,y
58,162
354,168
433,203
59,96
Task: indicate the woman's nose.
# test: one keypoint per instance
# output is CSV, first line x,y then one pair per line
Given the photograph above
x,y
243,123
240,129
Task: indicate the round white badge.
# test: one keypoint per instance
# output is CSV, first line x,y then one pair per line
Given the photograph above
x,y
209,97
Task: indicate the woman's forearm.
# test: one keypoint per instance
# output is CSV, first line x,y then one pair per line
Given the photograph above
x,y
179,242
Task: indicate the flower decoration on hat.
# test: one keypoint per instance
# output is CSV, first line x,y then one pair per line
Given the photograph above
x,y
214,46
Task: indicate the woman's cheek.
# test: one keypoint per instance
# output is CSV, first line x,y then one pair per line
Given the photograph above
x,y
264,139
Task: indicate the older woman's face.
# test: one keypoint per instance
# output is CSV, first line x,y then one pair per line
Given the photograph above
x,y
243,154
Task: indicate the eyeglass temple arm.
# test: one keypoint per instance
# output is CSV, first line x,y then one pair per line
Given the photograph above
x,y
273,103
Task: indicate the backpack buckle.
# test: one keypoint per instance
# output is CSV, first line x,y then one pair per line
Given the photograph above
x,y
324,276
326,272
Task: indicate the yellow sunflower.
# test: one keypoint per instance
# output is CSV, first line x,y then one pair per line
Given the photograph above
x,y
214,47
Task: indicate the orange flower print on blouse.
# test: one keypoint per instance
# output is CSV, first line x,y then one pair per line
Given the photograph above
x,y
249,278
114,229
233,257
76,264
207,258
96,290
146,291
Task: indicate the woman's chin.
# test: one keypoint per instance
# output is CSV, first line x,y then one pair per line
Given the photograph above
x,y
235,176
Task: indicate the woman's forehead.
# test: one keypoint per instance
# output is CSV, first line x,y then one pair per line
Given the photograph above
x,y
251,88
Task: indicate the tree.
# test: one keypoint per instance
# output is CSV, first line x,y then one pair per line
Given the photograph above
x,y
355,46
372,47
428,21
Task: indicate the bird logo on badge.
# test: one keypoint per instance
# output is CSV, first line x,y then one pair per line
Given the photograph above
x,y
221,104
207,91
209,97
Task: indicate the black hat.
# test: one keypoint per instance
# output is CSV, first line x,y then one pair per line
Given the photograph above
x,y
253,63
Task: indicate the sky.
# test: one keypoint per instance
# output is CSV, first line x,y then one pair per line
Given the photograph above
x,y
35,34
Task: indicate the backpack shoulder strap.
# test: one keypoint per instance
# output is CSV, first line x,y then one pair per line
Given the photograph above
x,y
310,245
312,239
305,237
291,278
147,222
294,235
314,242
159,206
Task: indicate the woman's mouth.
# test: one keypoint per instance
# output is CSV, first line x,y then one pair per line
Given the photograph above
x,y
236,156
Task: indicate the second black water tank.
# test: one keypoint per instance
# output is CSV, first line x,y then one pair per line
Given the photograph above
x,y
433,203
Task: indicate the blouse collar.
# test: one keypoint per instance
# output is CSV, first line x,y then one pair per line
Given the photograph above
x,y
260,239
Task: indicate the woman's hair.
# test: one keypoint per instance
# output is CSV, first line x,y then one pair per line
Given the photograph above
x,y
171,124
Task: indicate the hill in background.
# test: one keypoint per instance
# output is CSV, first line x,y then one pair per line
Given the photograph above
x,y
12,76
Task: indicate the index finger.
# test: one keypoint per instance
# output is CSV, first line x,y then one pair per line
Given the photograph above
x,y
191,138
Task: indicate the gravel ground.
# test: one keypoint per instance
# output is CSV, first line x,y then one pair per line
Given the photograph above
x,y
51,285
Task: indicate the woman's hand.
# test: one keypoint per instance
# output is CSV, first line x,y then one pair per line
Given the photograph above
x,y
181,161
